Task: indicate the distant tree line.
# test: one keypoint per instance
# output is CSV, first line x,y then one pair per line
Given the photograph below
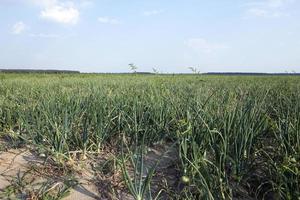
x,y
252,74
155,71
38,71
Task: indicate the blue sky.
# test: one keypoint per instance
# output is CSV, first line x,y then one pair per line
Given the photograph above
x,y
170,36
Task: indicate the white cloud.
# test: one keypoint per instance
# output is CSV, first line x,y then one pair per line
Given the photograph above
x,y
201,45
19,28
268,8
60,11
65,12
61,14
152,12
108,20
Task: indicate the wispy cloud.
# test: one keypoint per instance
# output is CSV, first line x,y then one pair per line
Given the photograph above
x,y
278,3
108,20
152,12
269,3
201,45
42,35
19,28
45,3
86,3
268,8
260,12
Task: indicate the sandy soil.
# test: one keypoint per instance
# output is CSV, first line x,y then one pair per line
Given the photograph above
x,y
20,161
17,161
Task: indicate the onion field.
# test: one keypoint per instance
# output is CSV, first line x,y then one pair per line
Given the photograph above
x,y
229,137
